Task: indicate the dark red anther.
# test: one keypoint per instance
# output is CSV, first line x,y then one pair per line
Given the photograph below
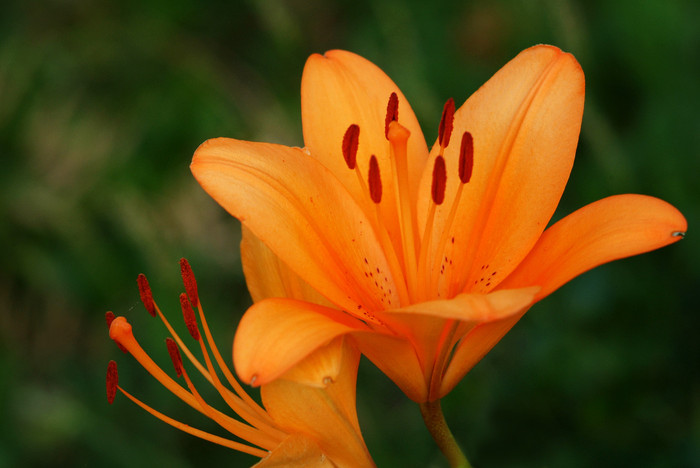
x,y
112,381
375,180
146,294
351,141
392,112
439,181
189,281
446,123
174,353
189,317
466,158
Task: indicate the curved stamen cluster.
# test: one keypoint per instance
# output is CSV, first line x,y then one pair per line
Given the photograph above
x,y
255,426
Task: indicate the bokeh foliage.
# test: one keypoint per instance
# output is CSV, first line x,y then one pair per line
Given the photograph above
x,y
102,104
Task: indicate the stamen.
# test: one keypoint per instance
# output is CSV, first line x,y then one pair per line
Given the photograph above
x,y
121,331
146,294
189,317
189,281
197,432
351,141
466,158
112,381
446,123
392,113
375,181
174,353
439,181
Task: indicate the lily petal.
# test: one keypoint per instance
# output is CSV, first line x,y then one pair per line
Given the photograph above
x,y
606,230
475,307
275,334
326,414
473,347
425,322
296,451
525,124
267,276
290,202
340,88
396,357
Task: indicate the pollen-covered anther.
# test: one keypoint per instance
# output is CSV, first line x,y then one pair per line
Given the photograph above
x,y
188,315
112,381
189,281
146,294
109,318
439,181
466,158
351,141
392,113
174,353
446,123
375,180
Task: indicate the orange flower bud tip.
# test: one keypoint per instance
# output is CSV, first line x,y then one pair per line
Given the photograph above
x,y
188,315
466,158
392,112
174,353
446,123
351,141
375,180
112,381
189,281
439,181
146,294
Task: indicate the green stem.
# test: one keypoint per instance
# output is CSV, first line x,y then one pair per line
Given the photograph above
x,y
436,424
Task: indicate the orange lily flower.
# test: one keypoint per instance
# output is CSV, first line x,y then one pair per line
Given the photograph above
x,y
425,258
309,416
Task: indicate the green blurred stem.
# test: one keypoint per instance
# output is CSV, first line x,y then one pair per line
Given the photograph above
x,y
436,424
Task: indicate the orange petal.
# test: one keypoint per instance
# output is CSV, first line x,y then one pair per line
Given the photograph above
x,y
327,415
425,322
473,347
267,276
291,203
397,359
525,123
296,451
609,229
339,89
275,334
474,307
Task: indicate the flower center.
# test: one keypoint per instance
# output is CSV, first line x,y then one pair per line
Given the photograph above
x,y
407,252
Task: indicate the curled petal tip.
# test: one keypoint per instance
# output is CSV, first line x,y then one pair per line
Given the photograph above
x,y
680,234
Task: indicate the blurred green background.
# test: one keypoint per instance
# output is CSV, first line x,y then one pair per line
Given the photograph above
x,y
102,104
